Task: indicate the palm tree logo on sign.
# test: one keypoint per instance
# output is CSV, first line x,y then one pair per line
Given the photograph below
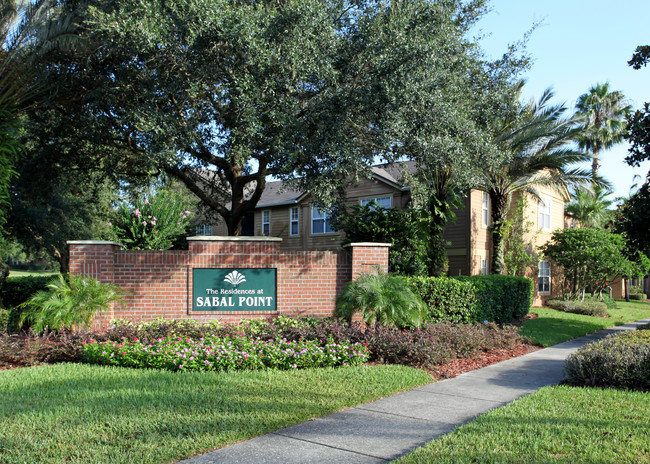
x,y
235,278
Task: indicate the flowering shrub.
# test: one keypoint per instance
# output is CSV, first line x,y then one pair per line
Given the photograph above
x,y
232,352
151,222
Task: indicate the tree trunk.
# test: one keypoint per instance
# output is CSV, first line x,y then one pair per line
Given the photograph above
x,y
627,282
64,260
499,202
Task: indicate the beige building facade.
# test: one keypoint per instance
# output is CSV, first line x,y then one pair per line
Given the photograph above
x,y
293,216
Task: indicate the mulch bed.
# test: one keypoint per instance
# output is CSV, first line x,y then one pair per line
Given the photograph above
x,y
460,366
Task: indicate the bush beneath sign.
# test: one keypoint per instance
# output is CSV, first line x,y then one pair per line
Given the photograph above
x,y
232,352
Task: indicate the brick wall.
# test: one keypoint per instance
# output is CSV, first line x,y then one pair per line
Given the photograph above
x,y
159,283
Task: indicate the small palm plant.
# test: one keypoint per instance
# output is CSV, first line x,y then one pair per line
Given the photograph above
x,y
68,305
382,300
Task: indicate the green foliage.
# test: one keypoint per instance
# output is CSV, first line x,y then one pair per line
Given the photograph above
x,y
587,307
638,296
406,230
619,361
639,122
151,221
17,290
590,258
492,298
591,207
67,305
447,299
382,300
502,298
633,219
520,253
233,352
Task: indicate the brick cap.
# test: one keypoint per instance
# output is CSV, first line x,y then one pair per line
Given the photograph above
x,y
93,242
368,244
225,238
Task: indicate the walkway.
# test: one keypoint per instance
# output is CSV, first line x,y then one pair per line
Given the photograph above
x,y
386,429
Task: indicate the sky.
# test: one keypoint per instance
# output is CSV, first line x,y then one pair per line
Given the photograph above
x,y
578,44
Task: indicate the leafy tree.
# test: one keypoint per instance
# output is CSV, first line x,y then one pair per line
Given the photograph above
x,y
222,94
441,111
406,230
604,112
590,258
632,218
638,123
536,138
590,207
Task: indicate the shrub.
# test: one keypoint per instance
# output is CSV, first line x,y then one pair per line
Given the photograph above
x,y
67,305
151,221
502,298
233,352
495,298
587,307
17,290
159,328
447,299
28,349
638,296
381,299
620,361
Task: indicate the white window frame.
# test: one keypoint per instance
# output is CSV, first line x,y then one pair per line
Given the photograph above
x,y
484,266
485,210
203,229
266,222
544,213
544,277
378,200
317,215
294,220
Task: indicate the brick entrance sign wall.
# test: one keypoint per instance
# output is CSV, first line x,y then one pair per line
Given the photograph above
x,y
160,283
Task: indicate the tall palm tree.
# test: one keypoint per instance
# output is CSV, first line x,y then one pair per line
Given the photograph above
x,y
537,143
590,206
603,111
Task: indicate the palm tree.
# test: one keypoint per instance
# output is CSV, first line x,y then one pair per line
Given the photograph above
x,y
590,206
536,141
604,123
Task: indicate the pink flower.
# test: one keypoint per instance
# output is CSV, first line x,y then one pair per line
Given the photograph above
x,y
149,217
188,212
154,218
146,202
153,223
109,223
137,212
144,223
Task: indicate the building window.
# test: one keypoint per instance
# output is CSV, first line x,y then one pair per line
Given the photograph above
x,y
485,210
295,216
382,202
320,222
545,213
484,267
544,277
266,222
204,229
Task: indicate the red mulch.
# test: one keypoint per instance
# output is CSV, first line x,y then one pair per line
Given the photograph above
x,y
460,366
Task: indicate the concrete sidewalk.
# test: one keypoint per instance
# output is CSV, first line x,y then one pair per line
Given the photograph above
x,y
391,427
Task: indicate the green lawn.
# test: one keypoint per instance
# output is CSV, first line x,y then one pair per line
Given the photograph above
x,y
14,273
552,327
97,414
555,425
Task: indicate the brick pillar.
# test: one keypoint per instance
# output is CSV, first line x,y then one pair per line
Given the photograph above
x,y
369,258
96,259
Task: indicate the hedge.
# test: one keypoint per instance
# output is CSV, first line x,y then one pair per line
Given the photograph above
x,y
17,290
494,298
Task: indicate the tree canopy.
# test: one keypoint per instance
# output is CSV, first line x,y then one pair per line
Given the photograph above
x,y
221,94
639,122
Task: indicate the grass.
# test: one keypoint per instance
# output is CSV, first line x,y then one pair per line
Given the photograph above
x,y
552,327
98,414
15,273
555,425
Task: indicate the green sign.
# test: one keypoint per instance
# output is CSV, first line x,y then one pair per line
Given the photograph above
x,y
234,290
